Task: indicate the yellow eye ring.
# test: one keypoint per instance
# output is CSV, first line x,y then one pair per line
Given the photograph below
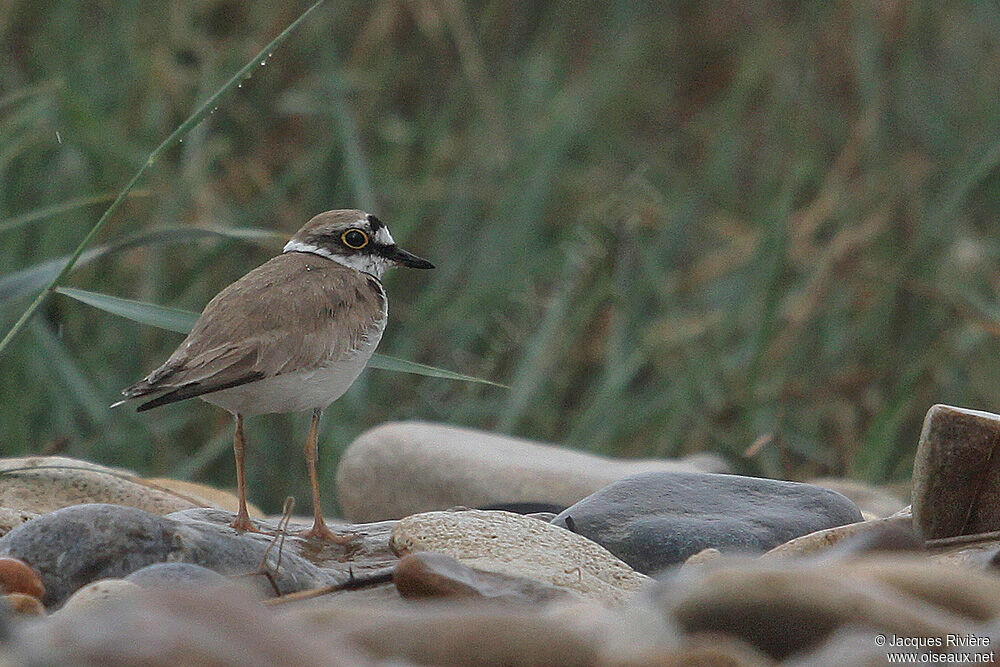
x,y
355,239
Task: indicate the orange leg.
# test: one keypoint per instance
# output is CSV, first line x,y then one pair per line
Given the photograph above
x,y
319,528
242,521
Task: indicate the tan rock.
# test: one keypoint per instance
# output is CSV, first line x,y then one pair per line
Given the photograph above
x,y
956,473
98,592
702,557
428,574
821,540
785,607
402,468
27,605
16,576
12,518
519,546
471,633
203,495
41,484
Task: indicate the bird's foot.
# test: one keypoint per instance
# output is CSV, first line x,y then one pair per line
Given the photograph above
x,y
243,524
322,532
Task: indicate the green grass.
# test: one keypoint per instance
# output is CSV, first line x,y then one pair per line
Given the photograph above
x,y
669,227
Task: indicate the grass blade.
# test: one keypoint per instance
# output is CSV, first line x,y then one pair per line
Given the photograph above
x,y
181,321
387,363
162,317
199,115
56,209
21,283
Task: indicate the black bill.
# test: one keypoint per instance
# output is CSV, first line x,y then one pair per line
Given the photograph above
x,y
396,254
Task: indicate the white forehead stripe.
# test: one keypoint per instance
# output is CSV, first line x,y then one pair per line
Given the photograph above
x,y
299,246
383,236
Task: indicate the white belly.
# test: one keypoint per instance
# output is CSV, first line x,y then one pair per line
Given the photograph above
x,y
291,392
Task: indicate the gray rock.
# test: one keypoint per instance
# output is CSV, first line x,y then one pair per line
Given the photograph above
x,y
659,519
956,473
76,545
161,626
175,574
403,468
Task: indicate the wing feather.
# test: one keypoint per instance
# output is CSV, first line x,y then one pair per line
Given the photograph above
x,y
295,312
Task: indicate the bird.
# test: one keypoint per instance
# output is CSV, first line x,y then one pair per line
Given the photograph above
x,y
289,336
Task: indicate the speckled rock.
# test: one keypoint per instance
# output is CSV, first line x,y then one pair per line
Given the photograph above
x,y
76,545
59,482
446,466
12,518
519,546
97,593
956,473
658,519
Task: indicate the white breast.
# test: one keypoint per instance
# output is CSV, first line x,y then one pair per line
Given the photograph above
x,y
297,391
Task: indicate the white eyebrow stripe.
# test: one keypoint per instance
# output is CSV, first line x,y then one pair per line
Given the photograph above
x,y
298,246
383,236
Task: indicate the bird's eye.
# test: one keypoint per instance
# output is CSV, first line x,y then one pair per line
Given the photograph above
x,y
354,239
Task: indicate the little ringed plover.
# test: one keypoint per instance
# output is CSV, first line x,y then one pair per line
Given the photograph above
x,y
290,336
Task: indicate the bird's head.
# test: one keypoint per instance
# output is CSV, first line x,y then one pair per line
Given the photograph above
x,y
355,239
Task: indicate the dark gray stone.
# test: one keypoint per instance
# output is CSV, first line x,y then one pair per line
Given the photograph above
x,y
657,519
175,574
76,545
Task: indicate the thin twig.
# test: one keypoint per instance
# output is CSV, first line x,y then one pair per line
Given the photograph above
x,y
353,583
962,539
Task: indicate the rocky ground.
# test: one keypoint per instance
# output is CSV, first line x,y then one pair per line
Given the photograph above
x,y
478,549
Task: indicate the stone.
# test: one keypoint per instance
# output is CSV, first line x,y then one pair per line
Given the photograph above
x,y
857,534
202,495
845,646
435,575
97,593
470,633
786,607
367,553
654,520
518,546
956,473
26,605
42,484
175,574
873,501
225,627
444,466
703,556
16,576
77,545
12,518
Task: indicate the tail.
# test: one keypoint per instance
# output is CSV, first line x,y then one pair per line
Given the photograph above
x,y
137,390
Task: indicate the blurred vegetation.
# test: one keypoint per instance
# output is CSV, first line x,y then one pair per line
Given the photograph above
x,y
670,227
